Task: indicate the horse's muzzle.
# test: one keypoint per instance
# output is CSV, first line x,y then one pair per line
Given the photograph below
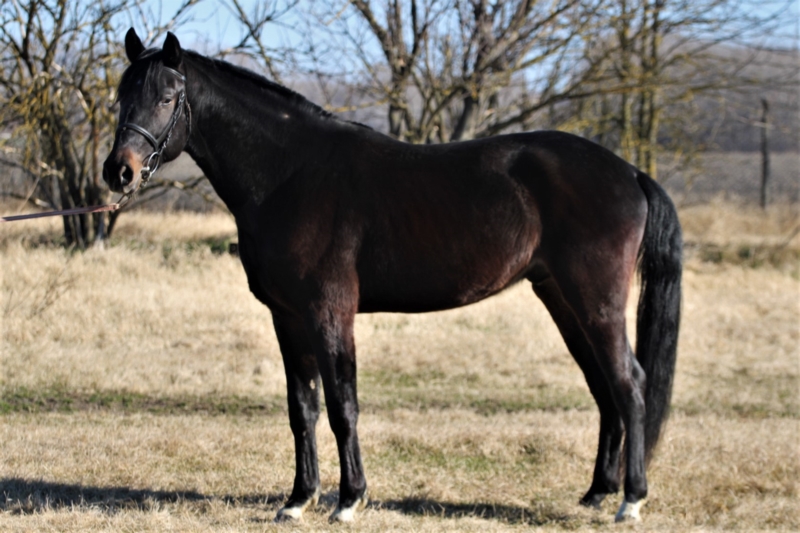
x,y
121,174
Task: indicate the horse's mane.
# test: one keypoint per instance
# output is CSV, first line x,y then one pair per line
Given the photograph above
x,y
262,82
212,65
258,80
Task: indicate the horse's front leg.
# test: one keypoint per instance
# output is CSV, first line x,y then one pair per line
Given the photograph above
x,y
302,381
334,344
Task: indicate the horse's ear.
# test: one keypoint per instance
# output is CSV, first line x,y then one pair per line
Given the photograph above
x,y
133,45
171,52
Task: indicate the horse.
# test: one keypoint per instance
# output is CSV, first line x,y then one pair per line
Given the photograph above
x,y
335,218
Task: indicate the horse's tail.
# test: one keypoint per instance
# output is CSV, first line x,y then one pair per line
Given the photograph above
x,y
660,258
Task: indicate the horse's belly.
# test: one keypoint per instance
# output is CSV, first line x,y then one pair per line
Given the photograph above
x,y
416,283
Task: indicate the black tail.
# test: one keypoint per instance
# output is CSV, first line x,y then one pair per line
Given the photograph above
x,y
659,313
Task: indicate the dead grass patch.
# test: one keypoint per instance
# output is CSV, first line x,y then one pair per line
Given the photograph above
x,y
141,389
741,234
471,472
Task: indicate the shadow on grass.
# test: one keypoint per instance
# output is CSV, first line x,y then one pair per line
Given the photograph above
x,y
23,496
538,515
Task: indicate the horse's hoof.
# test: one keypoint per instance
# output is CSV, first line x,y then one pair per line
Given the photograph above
x,y
289,514
294,513
348,514
629,512
593,501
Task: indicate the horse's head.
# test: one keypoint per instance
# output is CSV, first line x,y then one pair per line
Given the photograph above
x,y
154,115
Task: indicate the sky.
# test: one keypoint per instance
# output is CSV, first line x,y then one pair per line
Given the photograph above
x,y
214,25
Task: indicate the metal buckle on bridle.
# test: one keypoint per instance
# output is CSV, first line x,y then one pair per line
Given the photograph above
x,y
149,169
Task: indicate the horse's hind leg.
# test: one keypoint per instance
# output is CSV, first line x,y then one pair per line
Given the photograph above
x,y
606,469
595,286
302,381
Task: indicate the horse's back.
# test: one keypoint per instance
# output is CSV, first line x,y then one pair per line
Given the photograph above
x,y
556,173
567,174
451,224
444,226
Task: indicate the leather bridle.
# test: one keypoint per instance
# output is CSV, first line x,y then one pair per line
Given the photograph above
x,y
152,162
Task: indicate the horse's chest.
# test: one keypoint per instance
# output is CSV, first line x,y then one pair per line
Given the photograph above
x,y
286,267
260,255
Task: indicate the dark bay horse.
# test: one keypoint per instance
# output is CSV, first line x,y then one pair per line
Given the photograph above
x,y
336,219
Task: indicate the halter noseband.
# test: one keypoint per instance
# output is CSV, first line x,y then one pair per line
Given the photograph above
x,y
153,161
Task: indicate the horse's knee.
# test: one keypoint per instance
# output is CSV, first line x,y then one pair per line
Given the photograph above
x,y
343,421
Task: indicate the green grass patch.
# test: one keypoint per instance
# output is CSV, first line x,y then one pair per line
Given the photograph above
x,y
749,255
373,399
398,450
742,395
62,400
734,409
382,391
410,392
216,245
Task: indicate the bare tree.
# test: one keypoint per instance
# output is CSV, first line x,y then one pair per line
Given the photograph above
x,y
401,49
452,69
513,57
60,67
657,58
254,44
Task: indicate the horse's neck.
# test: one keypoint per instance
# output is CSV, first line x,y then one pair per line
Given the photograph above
x,y
240,141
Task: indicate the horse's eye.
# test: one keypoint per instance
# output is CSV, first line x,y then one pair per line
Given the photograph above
x,y
166,101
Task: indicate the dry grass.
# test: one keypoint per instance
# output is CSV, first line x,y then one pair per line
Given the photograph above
x,y
724,223
121,368
721,232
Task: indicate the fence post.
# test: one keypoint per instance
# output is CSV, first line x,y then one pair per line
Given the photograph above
x,y
765,170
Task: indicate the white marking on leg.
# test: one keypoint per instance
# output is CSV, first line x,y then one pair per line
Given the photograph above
x,y
290,513
295,513
348,514
629,511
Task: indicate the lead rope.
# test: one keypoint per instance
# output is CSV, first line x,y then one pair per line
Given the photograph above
x,y
124,199
147,172
150,167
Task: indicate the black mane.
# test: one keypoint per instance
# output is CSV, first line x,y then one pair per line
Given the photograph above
x,y
211,64
259,81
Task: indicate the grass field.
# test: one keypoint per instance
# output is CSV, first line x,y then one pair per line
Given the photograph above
x,y
142,390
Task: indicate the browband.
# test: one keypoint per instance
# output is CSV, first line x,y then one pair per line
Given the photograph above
x,y
175,72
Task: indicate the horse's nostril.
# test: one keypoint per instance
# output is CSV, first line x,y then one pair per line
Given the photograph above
x,y
125,175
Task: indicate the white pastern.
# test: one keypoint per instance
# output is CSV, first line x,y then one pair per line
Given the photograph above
x,y
629,512
295,513
348,514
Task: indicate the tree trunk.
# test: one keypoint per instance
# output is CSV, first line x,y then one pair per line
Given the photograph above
x,y
654,114
626,141
396,129
96,194
465,128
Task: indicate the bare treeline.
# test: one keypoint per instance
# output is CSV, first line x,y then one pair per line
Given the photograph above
x,y
638,76
60,63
